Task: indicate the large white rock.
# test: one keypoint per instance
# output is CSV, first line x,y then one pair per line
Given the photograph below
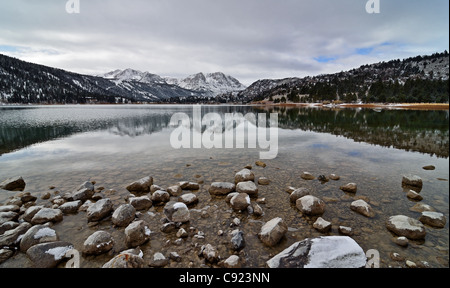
x,y
323,252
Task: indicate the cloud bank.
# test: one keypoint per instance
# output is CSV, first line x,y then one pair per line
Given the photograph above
x,y
248,39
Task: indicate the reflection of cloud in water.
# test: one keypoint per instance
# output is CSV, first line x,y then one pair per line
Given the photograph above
x,y
421,131
320,146
354,153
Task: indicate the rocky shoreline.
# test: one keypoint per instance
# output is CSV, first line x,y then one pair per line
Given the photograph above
x,y
27,228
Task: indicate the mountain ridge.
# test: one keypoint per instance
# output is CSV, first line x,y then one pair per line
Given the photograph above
x,y
415,79
407,80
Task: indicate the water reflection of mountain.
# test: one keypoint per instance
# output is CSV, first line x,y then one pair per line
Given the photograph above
x,y
410,130
20,136
420,131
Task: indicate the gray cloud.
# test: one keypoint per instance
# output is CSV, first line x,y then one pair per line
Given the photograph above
x,y
249,39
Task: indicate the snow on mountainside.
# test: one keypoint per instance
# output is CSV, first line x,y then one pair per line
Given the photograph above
x,y
119,76
212,84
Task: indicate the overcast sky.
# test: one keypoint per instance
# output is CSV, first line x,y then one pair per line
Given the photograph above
x,y
248,39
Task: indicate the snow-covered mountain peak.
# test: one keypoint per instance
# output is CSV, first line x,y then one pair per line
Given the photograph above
x,y
213,83
129,75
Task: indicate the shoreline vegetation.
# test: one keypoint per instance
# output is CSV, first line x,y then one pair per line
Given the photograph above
x,y
336,104
393,106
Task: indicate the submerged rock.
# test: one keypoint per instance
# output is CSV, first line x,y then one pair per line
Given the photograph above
x,y
429,168
361,207
401,241
13,184
310,205
237,240
307,176
413,195
177,212
422,207
412,181
272,232
334,177
344,230
433,219
405,226
322,225
260,164
263,181
323,252
350,188
299,193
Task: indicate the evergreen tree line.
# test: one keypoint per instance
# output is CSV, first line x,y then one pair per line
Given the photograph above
x,y
350,91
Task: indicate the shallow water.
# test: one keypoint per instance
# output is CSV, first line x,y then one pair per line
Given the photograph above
x,y
63,146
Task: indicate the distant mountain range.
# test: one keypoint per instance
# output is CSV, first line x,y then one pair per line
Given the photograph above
x,y
23,82
209,85
416,79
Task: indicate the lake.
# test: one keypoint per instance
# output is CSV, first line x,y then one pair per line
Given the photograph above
x,y
56,148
